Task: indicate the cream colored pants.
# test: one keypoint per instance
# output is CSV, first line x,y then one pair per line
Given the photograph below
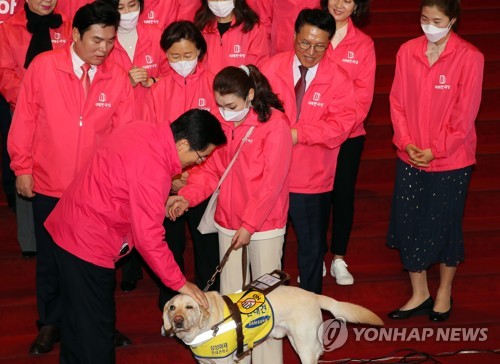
x,y
264,256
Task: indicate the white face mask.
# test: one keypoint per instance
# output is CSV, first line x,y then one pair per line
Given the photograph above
x,y
184,68
221,9
433,33
129,21
230,115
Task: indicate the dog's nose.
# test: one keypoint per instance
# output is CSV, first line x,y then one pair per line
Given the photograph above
x,y
178,320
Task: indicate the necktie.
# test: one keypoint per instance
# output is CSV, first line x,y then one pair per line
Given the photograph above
x,y
85,79
300,88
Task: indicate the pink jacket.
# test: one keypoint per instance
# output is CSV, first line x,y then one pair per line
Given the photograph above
x,y
281,21
356,54
148,54
119,197
15,40
235,47
187,9
173,95
327,117
54,129
435,107
70,7
9,8
254,194
159,13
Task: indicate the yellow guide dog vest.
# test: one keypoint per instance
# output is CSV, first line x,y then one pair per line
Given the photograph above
x,y
257,322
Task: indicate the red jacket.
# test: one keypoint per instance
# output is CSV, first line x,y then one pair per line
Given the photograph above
x,y
70,7
159,13
235,47
327,117
9,8
435,107
119,197
148,54
173,95
356,54
15,41
254,194
54,129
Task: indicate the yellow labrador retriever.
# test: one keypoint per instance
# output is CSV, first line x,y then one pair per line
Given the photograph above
x,y
297,314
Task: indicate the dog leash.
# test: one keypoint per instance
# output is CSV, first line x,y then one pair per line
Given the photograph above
x,y
223,262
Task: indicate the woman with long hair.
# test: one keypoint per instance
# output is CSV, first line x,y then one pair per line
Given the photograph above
x,y
253,200
233,34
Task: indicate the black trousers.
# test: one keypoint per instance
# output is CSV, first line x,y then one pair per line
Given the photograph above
x,y
343,193
48,295
8,177
309,214
205,249
88,314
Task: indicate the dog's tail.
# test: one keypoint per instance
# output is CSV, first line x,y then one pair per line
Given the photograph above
x,y
349,311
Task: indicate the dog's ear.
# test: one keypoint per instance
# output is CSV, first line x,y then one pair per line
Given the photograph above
x,y
166,329
205,313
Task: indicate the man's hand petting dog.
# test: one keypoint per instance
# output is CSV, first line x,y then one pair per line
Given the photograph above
x,y
195,293
175,207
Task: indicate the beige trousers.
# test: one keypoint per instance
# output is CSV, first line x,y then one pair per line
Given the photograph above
x,y
264,256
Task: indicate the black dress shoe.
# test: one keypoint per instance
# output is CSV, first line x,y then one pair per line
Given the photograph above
x,y
120,340
423,309
441,316
44,342
28,254
127,286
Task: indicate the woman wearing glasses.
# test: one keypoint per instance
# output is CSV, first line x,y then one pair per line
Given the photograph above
x,y
253,201
233,34
354,51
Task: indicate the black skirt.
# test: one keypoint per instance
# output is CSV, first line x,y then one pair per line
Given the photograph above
x,y
426,216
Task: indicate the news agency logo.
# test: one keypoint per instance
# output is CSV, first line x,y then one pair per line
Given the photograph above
x,y
7,7
333,334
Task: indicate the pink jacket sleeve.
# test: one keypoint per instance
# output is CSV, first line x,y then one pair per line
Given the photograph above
x,y
461,123
23,126
258,48
147,212
10,82
364,85
125,113
203,179
401,136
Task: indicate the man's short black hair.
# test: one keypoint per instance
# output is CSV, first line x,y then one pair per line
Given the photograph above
x,y
200,128
318,18
98,12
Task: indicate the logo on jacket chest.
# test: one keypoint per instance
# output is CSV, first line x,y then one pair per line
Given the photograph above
x,y
316,100
350,58
150,62
151,18
442,83
237,52
202,104
102,101
57,39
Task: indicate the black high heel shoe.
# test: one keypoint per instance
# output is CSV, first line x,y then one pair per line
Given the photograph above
x,y
423,309
441,316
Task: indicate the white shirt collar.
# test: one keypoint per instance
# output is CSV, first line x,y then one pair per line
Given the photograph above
x,y
78,63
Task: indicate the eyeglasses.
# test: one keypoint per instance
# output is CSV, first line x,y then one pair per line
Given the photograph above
x,y
319,48
200,158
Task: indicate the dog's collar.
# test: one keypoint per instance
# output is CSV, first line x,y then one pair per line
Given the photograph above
x,y
210,334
